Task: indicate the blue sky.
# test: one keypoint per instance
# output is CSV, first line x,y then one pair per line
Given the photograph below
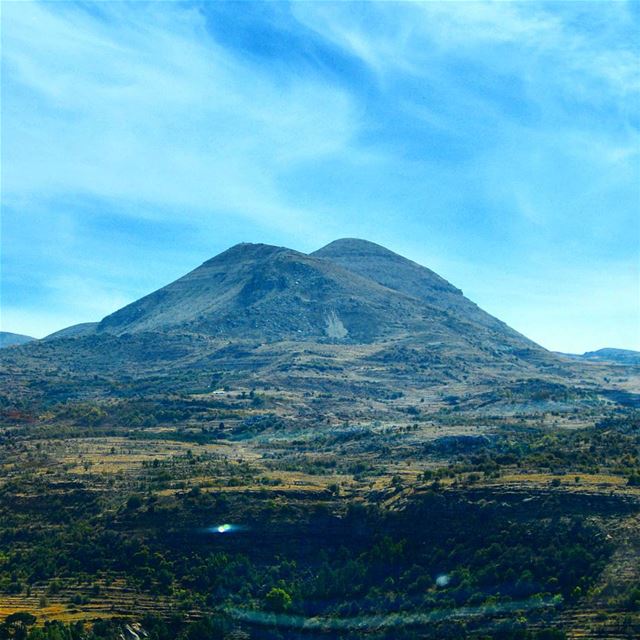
x,y
496,143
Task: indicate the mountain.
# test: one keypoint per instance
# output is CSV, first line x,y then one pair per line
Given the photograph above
x,y
8,339
352,318
351,291
270,293
299,403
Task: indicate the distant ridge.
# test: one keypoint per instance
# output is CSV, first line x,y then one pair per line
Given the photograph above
x,y
620,356
8,339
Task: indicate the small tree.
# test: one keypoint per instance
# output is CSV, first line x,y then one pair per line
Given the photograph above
x,y
15,625
134,502
278,600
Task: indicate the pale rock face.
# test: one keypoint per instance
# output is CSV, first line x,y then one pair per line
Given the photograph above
x,y
335,328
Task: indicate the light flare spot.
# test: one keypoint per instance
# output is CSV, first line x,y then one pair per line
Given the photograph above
x,y
443,580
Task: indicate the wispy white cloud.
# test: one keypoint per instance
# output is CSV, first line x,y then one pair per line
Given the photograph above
x,y
409,37
139,103
566,133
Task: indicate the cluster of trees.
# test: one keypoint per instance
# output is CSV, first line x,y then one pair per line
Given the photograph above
x,y
309,558
612,446
365,563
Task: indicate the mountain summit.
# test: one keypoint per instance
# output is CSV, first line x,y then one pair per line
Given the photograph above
x,y
386,267
400,274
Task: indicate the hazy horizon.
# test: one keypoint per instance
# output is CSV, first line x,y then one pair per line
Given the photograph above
x,y
495,143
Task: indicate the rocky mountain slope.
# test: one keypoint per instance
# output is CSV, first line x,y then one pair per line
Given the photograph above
x,y
351,291
270,293
405,276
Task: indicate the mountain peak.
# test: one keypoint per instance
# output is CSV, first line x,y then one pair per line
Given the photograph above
x,y
248,251
389,269
352,246
398,273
